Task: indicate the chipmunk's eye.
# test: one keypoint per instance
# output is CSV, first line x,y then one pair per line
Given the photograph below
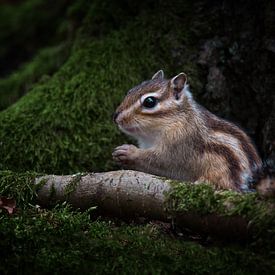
x,y
150,102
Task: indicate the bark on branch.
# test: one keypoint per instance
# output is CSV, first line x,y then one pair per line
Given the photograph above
x,y
124,193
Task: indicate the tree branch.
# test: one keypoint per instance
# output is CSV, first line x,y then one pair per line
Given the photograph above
x,y
124,193
130,194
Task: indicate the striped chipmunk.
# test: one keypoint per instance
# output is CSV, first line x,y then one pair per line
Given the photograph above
x,y
179,139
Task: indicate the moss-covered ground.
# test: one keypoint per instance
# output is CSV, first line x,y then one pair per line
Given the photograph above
x,y
35,240
62,124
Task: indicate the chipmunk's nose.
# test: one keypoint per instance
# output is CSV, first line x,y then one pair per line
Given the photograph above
x,y
115,115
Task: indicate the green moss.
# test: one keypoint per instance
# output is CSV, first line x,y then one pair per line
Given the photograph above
x,y
63,240
45,63
187,197
19,186
204,199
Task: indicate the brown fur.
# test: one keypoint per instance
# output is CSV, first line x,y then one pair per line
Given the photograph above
x,y
225,127
228,159
135,93
182,140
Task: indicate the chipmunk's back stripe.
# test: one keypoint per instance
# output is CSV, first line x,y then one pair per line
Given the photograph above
x,y
245,143
228,128
228,155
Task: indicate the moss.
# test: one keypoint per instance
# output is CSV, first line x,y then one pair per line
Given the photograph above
x,y
185,197
44,64
63,240
204,199
19,186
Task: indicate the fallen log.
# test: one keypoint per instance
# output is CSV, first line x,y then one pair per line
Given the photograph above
x,y
224,214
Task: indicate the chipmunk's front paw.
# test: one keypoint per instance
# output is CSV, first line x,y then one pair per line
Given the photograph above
x,y
126,155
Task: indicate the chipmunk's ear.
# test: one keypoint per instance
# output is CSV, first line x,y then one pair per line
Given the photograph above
x,y
179,85
158,75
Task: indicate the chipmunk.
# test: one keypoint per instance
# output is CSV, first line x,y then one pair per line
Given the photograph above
x,y
179,139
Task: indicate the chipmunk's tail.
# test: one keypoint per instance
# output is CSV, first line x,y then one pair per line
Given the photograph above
x,y
264,180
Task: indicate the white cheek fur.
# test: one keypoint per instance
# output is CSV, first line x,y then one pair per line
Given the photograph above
x,y
151,110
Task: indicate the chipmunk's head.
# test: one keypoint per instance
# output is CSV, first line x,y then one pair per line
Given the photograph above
x,y
153,104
